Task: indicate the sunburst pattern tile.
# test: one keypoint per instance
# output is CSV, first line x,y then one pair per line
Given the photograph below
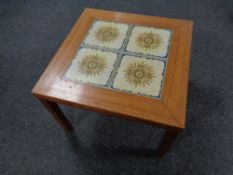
x,y
139,75
147,40
107,34
91,66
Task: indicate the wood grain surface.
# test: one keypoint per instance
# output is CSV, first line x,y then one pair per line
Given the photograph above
x,y
169,111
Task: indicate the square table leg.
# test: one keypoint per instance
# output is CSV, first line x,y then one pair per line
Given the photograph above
x,y
57,113
167,140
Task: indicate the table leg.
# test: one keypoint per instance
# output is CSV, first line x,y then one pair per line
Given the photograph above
x,y
167,140
57,113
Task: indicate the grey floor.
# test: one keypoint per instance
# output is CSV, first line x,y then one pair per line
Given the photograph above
x,y
32,143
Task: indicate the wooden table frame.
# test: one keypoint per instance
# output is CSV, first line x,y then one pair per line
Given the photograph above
x,y
167,112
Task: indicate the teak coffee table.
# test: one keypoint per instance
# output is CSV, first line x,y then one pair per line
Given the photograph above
x,y
126,65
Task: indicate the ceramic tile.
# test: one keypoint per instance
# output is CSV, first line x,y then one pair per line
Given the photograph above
x,y
106,34
139,75
91,66
147,40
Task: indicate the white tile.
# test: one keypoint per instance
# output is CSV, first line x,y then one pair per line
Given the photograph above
x,y
147,40
107,34
139,75
91,66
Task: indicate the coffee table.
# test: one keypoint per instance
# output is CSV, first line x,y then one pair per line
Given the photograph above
x,y
126,65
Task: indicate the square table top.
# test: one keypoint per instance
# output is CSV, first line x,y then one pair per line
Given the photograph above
x,y
123,64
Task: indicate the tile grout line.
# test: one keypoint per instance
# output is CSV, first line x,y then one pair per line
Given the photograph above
x,y
99,48
119,57
145,56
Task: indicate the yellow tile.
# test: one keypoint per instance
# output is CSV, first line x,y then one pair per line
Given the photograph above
x,y
139,75
106,34
91,66
147,40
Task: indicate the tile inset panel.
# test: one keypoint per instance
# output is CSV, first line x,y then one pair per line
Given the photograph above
x,y
91,66
139,75
107,34
122,57
147,40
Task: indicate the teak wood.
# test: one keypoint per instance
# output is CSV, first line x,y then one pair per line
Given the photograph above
x,y
57,114
168,112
